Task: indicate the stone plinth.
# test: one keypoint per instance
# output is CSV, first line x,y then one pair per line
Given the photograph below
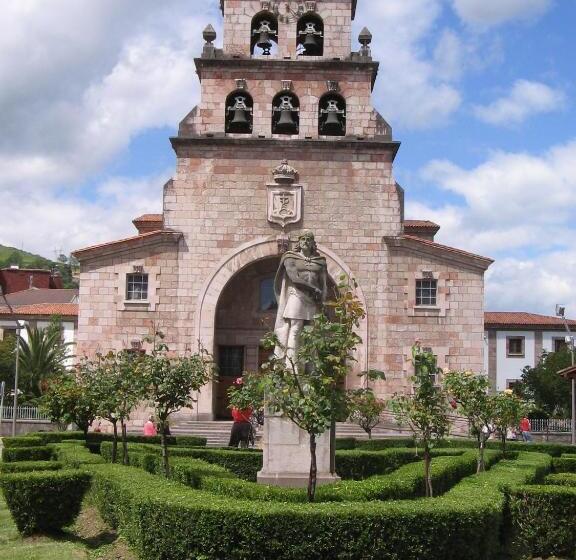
x,y
287,455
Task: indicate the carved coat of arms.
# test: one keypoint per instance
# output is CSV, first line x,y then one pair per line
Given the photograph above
x,y
284,198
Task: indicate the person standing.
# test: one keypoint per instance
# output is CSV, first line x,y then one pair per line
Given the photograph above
x,y
526,429
150,428
242,428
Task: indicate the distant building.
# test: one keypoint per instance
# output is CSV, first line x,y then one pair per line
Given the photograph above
x,y
515,340
16,279
37,308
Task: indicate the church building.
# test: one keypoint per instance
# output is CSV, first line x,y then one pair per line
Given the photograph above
x,y
285,139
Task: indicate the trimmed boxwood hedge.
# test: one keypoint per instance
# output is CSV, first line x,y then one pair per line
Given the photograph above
x,y
28,441
27,466
163,519
57,437
13,454
565,464
544,521
73,456
561,479
44,501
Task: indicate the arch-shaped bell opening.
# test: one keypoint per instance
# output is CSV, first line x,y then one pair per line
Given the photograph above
x,y
332,115
285,113
239,112
310,35
264,34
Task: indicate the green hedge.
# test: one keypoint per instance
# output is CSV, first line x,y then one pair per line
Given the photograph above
x,y
44,501
407,482
27,466
31,441
73,456
13,454
544,521
561,479
346,443
57,437
565,464
181,441
163,519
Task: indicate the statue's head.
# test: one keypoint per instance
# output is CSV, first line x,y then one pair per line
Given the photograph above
x,y
306,240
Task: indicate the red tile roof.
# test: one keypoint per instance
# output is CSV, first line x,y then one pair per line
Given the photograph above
x,y
49,309
515,319
420,224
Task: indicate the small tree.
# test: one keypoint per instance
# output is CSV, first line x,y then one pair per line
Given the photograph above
x,y
69,399
117,384
471,394
248,392
425,411
170,381
508,410
309,389
365,409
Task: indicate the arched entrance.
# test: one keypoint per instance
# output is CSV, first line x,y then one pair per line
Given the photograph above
x,y
258,260
246,311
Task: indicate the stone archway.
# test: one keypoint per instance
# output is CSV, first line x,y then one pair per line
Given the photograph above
x,y
244,256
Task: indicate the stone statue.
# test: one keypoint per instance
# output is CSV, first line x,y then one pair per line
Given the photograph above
x,y
301,290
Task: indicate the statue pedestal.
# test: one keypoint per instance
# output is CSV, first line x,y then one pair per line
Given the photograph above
x,y
287,455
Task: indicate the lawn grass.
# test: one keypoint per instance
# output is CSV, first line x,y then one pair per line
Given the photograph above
x,y
88,539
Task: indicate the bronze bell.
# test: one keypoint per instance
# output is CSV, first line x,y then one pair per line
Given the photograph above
x,y
240,121
286,123
264,41
334,123
311,39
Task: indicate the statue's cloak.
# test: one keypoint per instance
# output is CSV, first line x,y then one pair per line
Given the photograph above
x,y
283,284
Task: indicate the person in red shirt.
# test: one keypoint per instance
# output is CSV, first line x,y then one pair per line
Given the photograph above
x,y
242,428
526,429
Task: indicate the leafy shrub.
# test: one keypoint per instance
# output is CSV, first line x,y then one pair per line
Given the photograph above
x,y
191,472
386,443
180,441
163,519
32,441
27,466
44,501
561,479
544,520
565,464
13,454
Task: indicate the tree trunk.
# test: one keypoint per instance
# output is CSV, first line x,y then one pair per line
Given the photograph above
x,y
163,444
115,441
313,469
369,434
503,436
427,474
124,443
481,463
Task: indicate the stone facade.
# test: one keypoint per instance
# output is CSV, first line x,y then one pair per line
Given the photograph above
x,y
215,226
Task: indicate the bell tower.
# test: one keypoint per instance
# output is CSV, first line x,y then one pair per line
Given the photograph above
x,y
284,138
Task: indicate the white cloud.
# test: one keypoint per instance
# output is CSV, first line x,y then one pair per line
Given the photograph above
x,y
411,91
42,222
519,209
523,101
487,13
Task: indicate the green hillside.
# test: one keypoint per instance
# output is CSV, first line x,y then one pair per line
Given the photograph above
x,y
10,256
66,266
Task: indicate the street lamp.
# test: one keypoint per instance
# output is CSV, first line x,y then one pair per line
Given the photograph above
x,y
17,368
561,312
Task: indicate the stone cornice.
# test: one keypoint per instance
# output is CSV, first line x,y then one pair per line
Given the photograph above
x,y
129,244
345,143
425,247
311,67
354,4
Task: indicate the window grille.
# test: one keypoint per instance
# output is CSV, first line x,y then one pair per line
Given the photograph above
x,y
137,287
426,292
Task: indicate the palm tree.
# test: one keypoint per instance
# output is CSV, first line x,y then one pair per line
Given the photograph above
x,y
42,356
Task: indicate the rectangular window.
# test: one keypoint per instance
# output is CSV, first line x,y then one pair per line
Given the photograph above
x,y
137,287
231,361
560,344
426,291
515,346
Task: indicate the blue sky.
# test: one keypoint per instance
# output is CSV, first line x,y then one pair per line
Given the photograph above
x,y
480,92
